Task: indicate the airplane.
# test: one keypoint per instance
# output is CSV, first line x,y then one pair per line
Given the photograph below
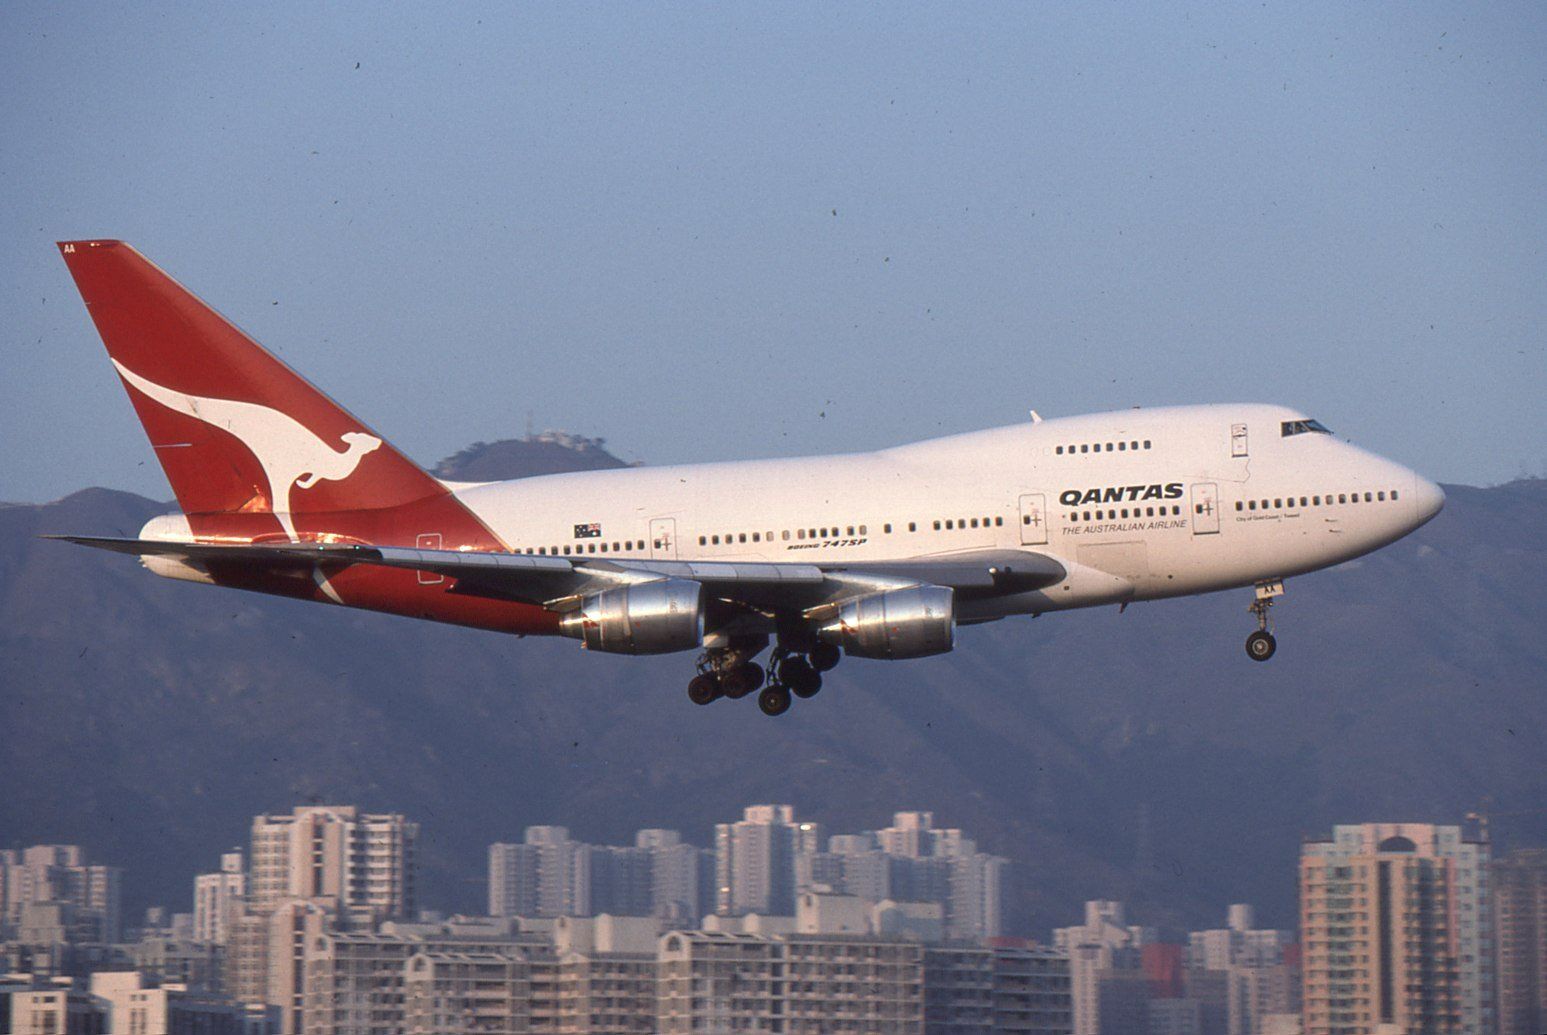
x,y
878,554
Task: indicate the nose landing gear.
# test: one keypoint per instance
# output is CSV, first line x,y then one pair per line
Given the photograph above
x,y
1260,645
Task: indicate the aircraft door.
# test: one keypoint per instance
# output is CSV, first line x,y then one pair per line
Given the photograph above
x,y
1205,508
663,538
429,541
1033,519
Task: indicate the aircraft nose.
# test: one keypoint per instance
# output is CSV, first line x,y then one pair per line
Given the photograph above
x,y
1428,500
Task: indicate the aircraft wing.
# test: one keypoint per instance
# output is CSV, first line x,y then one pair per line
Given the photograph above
x,y
559,583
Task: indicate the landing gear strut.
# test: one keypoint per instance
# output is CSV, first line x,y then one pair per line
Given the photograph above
x,y
1260,645
731,672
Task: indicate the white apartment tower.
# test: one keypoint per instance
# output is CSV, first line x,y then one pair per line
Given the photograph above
x,y
60,873
679,878
544,875
318,868
755,861
1091,948
217,897
364,861
973,891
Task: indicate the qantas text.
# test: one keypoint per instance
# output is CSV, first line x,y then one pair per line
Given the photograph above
x,y
1121,494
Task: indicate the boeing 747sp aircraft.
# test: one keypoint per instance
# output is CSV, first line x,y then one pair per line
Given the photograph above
x,y
873,555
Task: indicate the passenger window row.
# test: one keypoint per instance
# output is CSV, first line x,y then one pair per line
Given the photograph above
x,y
820,532
1330,499
1123,513
844,531
955,523
1132,445
626,546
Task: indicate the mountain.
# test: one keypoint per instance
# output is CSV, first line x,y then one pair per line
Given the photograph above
x,y
1137,755
552,452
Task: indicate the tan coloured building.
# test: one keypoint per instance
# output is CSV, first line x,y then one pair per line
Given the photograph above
x,y
1395,930
789,983
354,983
506,992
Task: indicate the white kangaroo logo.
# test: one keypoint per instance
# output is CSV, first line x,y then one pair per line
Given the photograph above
x,y
292,456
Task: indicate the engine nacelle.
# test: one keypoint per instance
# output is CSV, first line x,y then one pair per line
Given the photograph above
x,y
649,618
900,623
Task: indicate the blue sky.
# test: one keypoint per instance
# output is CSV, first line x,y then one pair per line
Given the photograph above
x,y
712,232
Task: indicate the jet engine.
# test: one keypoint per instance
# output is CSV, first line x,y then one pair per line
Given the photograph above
x,y
900,623
648,618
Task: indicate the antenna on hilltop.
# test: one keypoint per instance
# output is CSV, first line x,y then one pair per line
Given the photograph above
x,y
529,425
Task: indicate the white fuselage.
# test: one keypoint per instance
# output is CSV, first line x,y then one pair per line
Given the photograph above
x,y
1136,504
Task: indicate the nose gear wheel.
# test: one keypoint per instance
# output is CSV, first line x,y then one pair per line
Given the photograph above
x,y
1261,645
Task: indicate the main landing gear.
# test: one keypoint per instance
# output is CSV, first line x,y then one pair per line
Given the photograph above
x,y
1260,645
729,672
726,672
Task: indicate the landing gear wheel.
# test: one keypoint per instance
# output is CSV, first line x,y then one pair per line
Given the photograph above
x,y
825,657
1260,646
742,680
797,674
703,689
774,700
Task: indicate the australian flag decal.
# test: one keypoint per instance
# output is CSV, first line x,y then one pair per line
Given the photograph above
x,y
591,531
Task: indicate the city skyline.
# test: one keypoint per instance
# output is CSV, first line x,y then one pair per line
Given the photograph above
x,y
822,843
1399,925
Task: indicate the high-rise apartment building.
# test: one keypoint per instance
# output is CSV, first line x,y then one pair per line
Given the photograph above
x,y
543,875
1239,943
915,861
60,874
944,865
366,862
1249,968
319,868
755,861
681,877
1104,970
1395,928
549,874
1520,936
617,879
217,897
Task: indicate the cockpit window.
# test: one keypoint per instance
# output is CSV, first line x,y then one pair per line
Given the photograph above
x,y
1300,427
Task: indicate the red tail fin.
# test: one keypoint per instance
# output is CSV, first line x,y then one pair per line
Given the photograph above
x,y
251,449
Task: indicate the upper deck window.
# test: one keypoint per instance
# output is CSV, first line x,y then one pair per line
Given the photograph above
x,y
1300,427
